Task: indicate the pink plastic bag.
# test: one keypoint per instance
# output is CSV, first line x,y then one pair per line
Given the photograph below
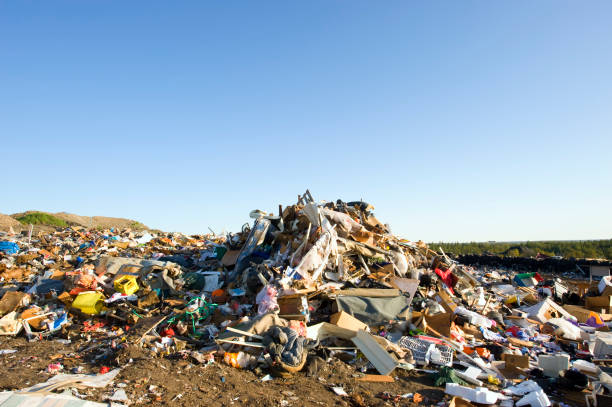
x,y
266,300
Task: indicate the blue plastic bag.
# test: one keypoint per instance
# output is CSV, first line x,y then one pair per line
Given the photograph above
x,y
8,247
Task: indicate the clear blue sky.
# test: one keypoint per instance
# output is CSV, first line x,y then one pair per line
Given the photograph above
x,y
458,120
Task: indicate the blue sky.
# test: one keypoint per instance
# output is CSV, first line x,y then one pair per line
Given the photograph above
x,y
457,120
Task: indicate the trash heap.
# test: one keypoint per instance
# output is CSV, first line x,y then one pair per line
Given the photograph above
x,y
315,279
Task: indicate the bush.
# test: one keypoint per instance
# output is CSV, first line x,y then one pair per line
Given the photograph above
x,y
40,218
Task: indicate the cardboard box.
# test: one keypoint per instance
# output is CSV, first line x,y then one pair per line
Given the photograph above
x,y
545,310
346,320
514,361
294,307
552,365
459,402
599,303
581,313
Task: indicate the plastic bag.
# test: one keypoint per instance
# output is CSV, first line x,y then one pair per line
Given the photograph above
x,y
266,300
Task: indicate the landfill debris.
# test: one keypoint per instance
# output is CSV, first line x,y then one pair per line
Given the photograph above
x,y
63,380
314,284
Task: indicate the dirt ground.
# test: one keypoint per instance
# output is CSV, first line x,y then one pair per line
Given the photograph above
x,y
163,380
160,381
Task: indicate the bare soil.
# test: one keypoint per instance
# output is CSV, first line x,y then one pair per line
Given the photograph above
x,y
7,221
161,381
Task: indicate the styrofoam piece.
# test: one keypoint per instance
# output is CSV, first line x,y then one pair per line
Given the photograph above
x,y
470,375
603,345
586,367
474,317
552,365
522,388
567,330
603,283
478,395
534,399
542,311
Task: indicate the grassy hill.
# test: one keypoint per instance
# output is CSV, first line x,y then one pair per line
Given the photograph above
x,y
49,221
40,218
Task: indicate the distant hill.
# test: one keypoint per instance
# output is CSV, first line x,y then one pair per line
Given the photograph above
x,y
7,221
47,220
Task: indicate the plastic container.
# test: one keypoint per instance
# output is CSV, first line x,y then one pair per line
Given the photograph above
x,y
89,302
126,285
552,365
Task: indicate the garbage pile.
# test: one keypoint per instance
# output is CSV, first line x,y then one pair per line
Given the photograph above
x,y
313,279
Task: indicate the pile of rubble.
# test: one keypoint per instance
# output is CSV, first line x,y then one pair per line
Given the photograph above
x,y
315,277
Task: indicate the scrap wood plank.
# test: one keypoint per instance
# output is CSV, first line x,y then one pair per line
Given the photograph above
x,y
370,292
245,333
520,342
325,330
299,293
376,378
251,344
375,353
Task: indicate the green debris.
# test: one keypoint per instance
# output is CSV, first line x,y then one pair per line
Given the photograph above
x,y
446,375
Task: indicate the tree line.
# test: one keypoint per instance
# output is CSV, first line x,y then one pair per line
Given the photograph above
x,y
588,249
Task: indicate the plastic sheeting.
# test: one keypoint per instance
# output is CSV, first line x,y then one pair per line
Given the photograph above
x,y
9,247
372,310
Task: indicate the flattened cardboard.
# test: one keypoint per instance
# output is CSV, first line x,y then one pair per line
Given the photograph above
x,y
446,301
441,323
598,303
230,257
13,300
347,321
